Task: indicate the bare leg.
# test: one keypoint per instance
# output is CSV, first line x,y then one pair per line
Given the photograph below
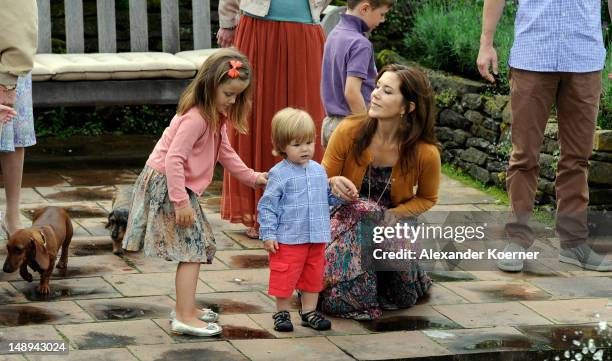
x,y
186,283
283,304
12,172
311,317
309,301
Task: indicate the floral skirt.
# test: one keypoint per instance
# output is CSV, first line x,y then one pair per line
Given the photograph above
x,y
351,289
19,132
151,224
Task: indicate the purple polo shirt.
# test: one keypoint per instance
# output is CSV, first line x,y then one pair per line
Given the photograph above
x,y
347,52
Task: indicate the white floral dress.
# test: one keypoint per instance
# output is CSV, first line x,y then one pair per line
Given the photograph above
x,y
19,132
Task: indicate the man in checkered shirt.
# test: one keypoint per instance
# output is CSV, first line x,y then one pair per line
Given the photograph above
x,y
557,57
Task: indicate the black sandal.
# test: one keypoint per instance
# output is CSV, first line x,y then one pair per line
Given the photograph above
x,y
315,320
282,321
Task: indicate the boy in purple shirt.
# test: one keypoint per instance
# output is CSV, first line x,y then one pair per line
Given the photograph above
x,y
349,72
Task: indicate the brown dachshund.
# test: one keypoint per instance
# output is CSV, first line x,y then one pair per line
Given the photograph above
x,y
38,246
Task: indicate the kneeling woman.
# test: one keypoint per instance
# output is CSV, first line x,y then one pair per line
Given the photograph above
x,y
380,156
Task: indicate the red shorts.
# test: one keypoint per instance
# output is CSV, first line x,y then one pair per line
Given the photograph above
x,y
298,266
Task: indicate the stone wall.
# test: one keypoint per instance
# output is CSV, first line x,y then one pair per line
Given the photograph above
x,y
473,127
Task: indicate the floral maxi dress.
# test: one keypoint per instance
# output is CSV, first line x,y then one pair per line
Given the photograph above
x,y
352,290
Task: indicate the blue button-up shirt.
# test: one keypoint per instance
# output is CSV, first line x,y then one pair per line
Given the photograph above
x,y
558,36
294,208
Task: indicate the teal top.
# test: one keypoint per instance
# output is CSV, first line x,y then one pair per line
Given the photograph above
x,y
297,11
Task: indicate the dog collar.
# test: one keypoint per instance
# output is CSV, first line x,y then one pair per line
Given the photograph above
x,y
42,234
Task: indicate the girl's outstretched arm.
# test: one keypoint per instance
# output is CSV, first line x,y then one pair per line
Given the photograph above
x,y
232,162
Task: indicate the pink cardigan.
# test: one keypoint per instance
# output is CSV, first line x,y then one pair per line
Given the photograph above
x,y
187,153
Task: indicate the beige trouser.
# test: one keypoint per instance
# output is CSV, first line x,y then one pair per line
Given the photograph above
x,y
576,96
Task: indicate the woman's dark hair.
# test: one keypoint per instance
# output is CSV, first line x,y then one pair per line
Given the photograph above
x,y
418,125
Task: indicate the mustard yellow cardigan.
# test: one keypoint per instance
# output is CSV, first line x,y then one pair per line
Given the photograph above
x,y
339,161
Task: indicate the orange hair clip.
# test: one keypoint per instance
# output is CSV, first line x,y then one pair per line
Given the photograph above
x,y
234,66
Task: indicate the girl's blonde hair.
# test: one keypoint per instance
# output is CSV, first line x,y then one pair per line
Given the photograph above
x,y
203,89
291,125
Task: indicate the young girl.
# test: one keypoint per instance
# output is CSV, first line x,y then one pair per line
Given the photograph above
x,y
165,217
15,137
294,219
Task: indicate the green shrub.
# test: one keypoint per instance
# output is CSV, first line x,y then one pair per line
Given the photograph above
x,y
446,98
605,19
604,119
387,56
445,35
65,122
398,22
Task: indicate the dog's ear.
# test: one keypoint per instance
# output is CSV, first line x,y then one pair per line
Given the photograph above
x,y
111,219
40,251
122,216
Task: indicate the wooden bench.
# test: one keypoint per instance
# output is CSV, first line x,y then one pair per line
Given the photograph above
x,y
135,77
111,78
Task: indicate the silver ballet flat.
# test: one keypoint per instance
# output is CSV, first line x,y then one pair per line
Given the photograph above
x,y
208,315
212,329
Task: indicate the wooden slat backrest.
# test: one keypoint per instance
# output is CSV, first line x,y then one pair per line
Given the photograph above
x,y
139,32
201,24
139,29
170,26
75,40
44,26
107,31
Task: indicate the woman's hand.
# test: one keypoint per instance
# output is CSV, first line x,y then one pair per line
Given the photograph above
x,y
343,188
185,217
262,180
225,37
6,113
271,245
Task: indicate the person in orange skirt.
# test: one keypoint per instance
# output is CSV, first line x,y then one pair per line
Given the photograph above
x,y
284,42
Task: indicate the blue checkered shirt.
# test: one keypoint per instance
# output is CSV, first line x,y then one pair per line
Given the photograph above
x,y
558,36
294,208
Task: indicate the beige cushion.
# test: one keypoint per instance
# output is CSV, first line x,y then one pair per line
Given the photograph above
x,y
196,57
41,72
105,66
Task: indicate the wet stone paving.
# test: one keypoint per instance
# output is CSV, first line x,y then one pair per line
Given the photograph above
x,y
109,307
